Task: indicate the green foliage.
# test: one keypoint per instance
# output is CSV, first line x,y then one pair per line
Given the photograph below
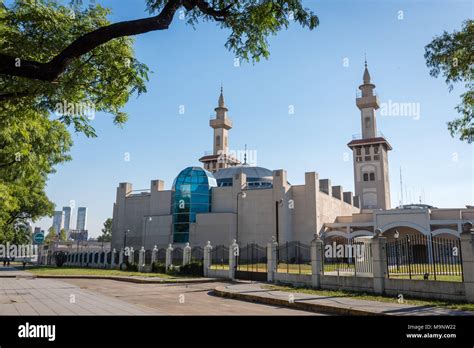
x,y
103,78
195,268
131,267
250,22
51,236
60,258
33,135
106,231
63,235
158,267
452,56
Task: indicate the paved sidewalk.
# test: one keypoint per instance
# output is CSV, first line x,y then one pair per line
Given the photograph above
x,y
11,272
336,305
33,296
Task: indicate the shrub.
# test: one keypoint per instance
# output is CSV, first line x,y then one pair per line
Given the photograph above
x,y
60,258
131,267
193,269
158,267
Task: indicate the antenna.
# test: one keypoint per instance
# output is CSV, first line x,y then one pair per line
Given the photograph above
x,y
245,155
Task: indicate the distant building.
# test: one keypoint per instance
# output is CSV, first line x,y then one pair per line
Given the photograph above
x,y
81,218
58,221
67,218
81,235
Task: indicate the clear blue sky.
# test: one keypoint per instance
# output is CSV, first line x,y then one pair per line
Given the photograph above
x,y
305,70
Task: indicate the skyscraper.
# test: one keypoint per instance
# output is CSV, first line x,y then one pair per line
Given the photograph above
x,y
67,218
81,218
58,221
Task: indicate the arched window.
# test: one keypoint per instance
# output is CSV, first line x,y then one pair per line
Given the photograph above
x,y
218,140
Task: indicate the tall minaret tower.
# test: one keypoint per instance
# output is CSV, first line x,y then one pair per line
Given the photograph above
x,y
220,157
370,151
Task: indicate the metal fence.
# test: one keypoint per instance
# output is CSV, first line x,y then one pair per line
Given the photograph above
x,y
252,258
219,257
425,257
351,257
161,255
197,254
177,257
294,257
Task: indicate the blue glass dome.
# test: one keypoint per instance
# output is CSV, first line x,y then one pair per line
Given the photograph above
x,y
191,194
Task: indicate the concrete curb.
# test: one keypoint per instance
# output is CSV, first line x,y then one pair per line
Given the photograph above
x,y
309,307
119,278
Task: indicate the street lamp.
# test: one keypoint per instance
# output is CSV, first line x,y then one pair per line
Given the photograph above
x,y
243,194
125,239
396,235
144,236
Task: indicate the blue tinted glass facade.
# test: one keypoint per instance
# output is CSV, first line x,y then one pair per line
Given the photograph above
x,y
191,195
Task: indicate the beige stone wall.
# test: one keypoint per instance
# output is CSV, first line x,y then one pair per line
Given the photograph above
x,y
329,208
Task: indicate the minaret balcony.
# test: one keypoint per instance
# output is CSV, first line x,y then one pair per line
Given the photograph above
x,y
368,102
221,123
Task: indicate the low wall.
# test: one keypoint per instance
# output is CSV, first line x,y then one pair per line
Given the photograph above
x,y
440,290
334,282
294,279
218,273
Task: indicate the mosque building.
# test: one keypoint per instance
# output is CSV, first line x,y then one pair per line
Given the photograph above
x,y
226,199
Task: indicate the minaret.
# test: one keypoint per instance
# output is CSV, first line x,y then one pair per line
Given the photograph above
x,y
220,157
370,151
221,125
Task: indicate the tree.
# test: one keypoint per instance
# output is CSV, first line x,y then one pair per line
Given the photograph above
x,y
452,55
59,64
106,231
63,235
51,236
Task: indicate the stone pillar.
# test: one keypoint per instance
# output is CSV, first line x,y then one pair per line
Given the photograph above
x,y
154,254
379,257
131,256
120,258
112,258
207,258
317,253
233,253
467,250
141,260
169,256
272,261
104,263
187,255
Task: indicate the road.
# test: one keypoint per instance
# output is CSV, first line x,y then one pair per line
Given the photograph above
x,y
178,299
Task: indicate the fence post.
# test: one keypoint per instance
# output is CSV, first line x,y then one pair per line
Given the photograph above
x,y
316,261
233,253
379,252
154,254
207,258
120,258
169,254
467,252
272,262
186,255
131,256
104,263
141,260
112,258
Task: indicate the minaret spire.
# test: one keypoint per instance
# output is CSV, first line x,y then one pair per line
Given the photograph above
x,y
221,102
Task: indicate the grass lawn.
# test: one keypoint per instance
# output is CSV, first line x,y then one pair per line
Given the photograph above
x,y
370,297
67,270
